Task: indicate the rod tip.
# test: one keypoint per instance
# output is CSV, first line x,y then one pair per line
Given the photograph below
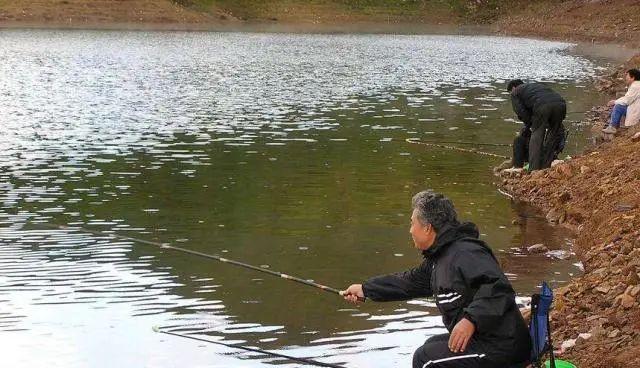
x,y
155,329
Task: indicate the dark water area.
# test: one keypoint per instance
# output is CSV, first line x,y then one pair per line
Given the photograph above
x,y
283,151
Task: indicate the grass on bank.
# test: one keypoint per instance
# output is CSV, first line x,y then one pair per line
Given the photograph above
x,y
478,11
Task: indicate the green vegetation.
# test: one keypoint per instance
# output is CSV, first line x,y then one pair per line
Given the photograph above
x,y
484,11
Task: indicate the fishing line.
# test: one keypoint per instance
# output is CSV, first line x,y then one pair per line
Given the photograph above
x,y
224,260
413,141
255,350
473,143
578,112
203,255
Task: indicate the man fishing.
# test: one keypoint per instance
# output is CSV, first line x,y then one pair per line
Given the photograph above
x,y
542,111
473,295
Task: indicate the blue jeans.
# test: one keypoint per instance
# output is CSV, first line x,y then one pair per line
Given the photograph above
x,y
616,115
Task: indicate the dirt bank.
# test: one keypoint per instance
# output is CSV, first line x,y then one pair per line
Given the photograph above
x,y
118,13
598,196
607,21
225,15
576,20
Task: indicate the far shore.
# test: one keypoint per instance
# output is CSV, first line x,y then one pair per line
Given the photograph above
x,y
267,27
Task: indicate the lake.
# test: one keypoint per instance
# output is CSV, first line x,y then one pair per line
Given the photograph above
x,y
284,151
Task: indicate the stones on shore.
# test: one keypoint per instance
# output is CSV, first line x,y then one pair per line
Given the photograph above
x,y
624,207
537,248
564,170
567,344
559,254
513,172
556,215
598,196
564,197
503,166
603,289
584,169
626,299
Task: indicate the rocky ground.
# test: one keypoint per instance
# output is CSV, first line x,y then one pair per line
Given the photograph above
x,y
608,21
224,15
120,14
596,318
613,83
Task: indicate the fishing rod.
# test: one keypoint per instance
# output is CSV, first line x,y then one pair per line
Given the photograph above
x,y
413,141
204,255
255,350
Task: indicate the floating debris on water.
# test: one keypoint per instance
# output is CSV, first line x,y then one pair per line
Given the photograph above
x,y
559,254
537,248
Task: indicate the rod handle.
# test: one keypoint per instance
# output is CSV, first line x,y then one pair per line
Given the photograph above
x,y
342,293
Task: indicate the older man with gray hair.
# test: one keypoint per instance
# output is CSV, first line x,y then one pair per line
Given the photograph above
x,y
473,295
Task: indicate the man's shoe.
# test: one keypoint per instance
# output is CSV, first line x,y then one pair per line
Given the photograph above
x,y
609,130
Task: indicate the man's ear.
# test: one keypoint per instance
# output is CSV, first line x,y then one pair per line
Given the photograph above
x,y
429,228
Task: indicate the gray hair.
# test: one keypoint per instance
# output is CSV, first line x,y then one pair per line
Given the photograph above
x,y
435,209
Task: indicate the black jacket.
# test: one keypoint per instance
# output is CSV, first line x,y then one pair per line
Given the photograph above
x,y
464,276
529,97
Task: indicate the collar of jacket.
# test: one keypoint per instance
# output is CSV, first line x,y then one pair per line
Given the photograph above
x,y
448,234
516,90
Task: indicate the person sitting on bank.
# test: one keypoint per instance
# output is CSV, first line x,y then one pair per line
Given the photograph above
x,y
543,136
627,106
472,293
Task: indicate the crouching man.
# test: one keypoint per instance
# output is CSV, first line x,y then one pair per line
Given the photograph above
x,y
543,136
473,295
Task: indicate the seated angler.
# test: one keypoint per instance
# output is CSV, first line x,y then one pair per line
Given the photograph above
x,y
627,106
472,293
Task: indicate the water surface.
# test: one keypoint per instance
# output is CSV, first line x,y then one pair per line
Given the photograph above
x,y
286,151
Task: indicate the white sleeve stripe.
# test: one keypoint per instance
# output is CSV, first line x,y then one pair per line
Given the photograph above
x,y
447,295
450,300
469,356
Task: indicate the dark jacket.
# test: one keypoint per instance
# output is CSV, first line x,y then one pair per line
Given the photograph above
x,y
529,97
464,276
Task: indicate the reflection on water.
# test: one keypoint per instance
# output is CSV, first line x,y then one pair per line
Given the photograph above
x,y
286,151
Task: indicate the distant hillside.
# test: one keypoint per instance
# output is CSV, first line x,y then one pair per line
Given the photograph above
x,y
449,11
213,12
592,20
